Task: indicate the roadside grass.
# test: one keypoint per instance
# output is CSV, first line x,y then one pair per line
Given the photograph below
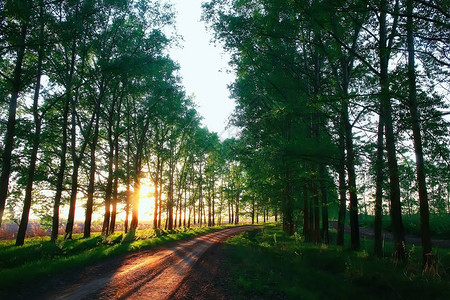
x,y
439,224
268,264
41,257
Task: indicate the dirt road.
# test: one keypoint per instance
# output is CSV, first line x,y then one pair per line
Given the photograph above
x,y
148,274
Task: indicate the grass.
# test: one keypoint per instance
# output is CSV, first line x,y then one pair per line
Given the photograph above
x,y
439,224
269,264
41,257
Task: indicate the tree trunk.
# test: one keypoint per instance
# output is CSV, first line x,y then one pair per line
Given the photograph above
x,y
448,197
209,206
62,168
342,192
229,213
236,221
137,188
73,197
109,187
11,123
170,195
232,213
115,187
77,159
29,188
177,209
127,208
185,206
135,203
221,203
36,140
379,189
180,197
128,201
420,166
354,222
323,192
315,194
90,199
160,197
175,218
204,213
311,216
213,204
156,193
116,168
193,208
394,185
189,218
201,196
109,183
306,216
74,185
288,204
253,211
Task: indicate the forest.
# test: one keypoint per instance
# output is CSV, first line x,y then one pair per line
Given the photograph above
x,y
91,105
342,99
342,107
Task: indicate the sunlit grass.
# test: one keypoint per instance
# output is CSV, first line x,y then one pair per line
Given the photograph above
x,y
40,257
269,264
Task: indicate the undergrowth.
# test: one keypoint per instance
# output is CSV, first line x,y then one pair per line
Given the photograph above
x,y
268,264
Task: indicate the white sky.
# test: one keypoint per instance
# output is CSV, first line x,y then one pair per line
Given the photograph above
x,y
204,67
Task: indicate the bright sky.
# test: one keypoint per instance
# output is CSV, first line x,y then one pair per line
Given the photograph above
x,y
204,67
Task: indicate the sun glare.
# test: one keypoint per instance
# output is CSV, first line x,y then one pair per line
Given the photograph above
x,y
146,191
146,203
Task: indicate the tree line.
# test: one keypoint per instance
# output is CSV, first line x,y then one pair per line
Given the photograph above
x,y
91,103
340,101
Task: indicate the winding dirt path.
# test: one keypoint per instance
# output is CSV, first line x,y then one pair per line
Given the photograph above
x,y
149,274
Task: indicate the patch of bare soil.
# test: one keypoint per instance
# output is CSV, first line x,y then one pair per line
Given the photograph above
x,y
207,279
187,269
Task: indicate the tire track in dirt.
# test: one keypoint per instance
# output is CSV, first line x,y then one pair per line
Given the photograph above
x,y
152,274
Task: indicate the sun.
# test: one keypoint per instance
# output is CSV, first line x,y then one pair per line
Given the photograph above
x,y
145,191
146,202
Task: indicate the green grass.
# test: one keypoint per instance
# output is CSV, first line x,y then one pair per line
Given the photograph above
x,y
269,264
439,224
40,257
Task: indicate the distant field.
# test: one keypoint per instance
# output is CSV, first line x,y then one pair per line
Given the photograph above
x,y
439,224
8,231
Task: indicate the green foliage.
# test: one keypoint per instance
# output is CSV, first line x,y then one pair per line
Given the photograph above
x,y
266,268
308,76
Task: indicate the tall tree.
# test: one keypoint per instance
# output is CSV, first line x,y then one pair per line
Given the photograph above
x,y
37,130
19,12
417,136
385,48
